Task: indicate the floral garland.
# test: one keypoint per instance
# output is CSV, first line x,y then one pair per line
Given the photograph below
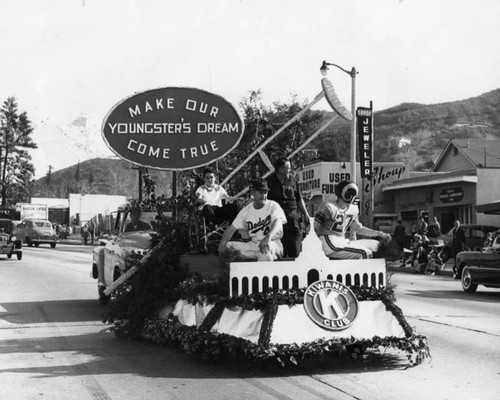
x,y
212,345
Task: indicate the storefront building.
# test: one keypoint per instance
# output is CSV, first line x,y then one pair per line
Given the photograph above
x,y
317,181
466,174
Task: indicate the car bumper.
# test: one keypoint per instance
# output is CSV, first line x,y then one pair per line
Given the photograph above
x,y
7,249
45,240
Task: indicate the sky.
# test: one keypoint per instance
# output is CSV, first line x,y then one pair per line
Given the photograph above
x,y
68,62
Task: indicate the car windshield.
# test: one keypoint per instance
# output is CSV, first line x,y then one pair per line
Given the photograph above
x,y
6,226
476,233
42,224
141,224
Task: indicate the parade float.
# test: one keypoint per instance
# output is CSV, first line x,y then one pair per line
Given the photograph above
x,y
289,311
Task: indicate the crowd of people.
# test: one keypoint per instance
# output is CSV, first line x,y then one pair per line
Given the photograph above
x,y
422,256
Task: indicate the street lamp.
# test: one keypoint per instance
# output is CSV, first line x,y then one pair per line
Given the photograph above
x,y
352,73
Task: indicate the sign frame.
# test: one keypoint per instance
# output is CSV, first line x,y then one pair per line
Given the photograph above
x,y
176,126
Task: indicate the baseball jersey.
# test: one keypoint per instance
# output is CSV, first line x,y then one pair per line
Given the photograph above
x,y
258,222
212,196
333,221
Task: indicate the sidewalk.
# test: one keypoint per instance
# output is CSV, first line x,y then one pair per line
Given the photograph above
x,y
395,266
77,240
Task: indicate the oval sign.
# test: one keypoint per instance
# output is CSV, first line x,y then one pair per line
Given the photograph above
x,y
172,128
452,195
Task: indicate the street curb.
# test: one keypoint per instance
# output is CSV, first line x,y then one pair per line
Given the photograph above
x,y
447,271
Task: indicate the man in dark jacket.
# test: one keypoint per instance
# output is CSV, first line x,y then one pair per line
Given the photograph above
x,y
284,190
399,237
459,239
457,244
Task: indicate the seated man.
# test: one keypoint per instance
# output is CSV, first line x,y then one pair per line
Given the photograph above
x,y
421,250
210,196
488,242
335,218
415,246
262,222
135,223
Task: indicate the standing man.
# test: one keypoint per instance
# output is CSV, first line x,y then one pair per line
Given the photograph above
x,y
334,219
91,228
262,222
457,244
422,226
434,229
284,190
399,237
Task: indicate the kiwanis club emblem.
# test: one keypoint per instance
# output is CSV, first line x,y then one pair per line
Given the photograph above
x,y
331,305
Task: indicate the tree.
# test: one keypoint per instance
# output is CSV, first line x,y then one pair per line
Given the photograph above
x,y
16,169
261,122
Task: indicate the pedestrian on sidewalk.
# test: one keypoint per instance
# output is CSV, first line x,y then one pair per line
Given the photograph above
x,y
457,245
399,237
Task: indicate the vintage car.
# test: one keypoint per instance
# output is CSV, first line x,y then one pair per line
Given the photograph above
x,y
109,259
9,243
480,267
474,233
36,232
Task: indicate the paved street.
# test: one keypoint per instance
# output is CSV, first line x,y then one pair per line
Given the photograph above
x,y
54,346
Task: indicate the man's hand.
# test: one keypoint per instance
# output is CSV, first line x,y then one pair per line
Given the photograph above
x,y
264,245
385,238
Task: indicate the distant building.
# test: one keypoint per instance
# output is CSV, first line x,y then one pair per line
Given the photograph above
x,y
79,208
58,209
83,207
466,174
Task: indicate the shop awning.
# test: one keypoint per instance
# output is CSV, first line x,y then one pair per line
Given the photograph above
x,y
489,208
430,180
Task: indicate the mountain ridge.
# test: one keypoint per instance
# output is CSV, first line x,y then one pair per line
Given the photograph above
x,y
413,133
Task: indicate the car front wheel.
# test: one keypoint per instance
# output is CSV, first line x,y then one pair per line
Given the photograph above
x,y
9,255
468,284
53,245
19,256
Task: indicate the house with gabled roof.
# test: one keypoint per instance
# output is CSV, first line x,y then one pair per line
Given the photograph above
x,y
465,154
466,174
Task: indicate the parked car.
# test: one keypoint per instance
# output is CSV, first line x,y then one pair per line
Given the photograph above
x,y
474,233
9,243
132,235
37,231
480,267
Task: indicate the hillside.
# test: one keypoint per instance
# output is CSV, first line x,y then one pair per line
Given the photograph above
x,y
98,176
412,133
427,127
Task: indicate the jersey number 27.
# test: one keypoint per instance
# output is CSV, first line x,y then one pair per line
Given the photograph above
x,y
338,225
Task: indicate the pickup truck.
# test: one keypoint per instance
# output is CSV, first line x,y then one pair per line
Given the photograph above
x,y
132,235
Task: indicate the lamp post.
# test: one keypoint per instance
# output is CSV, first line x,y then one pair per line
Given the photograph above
x,y
352,73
